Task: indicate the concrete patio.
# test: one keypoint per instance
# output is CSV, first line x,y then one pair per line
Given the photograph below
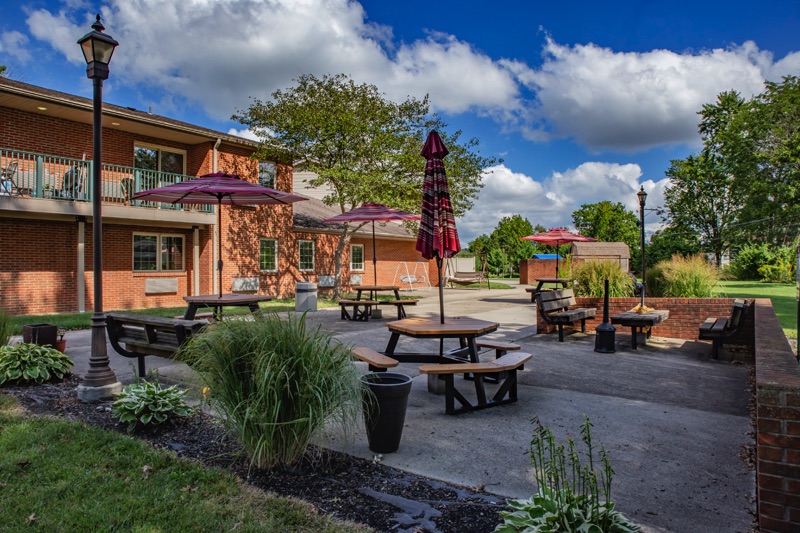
x,y
674,422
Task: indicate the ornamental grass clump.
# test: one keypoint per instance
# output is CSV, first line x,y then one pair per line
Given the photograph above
x,y
276,383
683,277
569,491
5,327
26,363
590,280
147,403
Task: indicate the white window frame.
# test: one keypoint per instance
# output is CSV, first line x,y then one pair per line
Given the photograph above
x,y
159,237
275,241
160,148
274,174
354,268
299,256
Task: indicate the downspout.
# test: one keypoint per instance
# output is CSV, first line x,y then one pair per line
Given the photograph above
x,y
214,258
196,260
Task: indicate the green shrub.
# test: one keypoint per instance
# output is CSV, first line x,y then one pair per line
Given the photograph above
x,y
772,264
147,403
6,327
590,279
26,363
682,277
569,491
276,383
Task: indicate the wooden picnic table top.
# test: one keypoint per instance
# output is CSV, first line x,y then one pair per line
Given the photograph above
x,y
375,287
432,326
227,299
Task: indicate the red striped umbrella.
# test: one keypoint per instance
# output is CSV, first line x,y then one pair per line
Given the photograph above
x,y
556,237
437,236
372,213
218,188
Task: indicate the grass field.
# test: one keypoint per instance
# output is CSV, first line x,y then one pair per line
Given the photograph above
x,y
783,296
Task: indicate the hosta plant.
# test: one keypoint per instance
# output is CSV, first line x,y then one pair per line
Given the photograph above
x,y
147,403
573,496
30,363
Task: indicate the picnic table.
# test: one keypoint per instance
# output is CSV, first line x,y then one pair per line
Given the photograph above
x,y
563,282
371,302
639,322
217,302
465,329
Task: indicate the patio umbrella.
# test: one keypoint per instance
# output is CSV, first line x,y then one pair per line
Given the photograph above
x,y
217,189
372,213
437,236
556,237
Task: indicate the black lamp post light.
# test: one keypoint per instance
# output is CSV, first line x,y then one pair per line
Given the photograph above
x,y
642,198
100,382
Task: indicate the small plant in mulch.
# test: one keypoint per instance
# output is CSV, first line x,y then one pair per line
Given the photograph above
x,y
26,363
570,491
148,404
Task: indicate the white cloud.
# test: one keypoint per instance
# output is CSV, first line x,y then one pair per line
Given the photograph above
x,y
552,201
608,99
246,133
14,43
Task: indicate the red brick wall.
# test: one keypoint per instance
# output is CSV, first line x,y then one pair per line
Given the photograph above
x,y
777,425
532,269
685,315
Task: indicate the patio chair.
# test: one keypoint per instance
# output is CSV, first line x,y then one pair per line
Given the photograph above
x,y
72,185
8,186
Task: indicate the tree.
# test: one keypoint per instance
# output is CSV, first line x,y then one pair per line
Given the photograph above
x,y
362,145
669,241
607,222
3,71
506,237
702,197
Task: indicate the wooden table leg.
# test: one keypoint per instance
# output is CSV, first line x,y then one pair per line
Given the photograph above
x,y
190,312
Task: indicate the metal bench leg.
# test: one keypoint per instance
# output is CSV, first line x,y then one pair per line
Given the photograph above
x,y
715,346
583,325
142,373
561,333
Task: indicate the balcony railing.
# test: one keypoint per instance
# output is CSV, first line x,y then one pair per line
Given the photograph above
x,y
49,176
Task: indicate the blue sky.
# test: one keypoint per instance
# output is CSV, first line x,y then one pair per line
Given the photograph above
x,y
583,101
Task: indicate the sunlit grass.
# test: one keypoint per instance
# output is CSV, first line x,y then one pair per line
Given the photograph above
x,y
783,296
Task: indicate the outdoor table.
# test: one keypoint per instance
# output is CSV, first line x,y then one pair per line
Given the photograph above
x,y
373,290
217,302
465,329
639,321
564,282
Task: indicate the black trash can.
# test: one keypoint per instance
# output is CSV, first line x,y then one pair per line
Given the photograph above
x,y
385,411
41,334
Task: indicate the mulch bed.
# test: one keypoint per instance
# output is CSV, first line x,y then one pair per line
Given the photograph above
x,y
346,487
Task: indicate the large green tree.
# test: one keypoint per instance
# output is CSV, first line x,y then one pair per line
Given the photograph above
x,y
361,145
607,222
506,236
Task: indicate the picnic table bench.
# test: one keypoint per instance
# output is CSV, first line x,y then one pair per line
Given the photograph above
x,y
640,322
145,335
377,361
554,308
505,368
718,330
400,305
361,309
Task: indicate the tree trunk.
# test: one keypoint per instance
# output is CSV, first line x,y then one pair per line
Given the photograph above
x,y
344,239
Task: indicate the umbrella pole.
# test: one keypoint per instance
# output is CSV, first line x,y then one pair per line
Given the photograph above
x,y
374,257
219,246
441,289
558,258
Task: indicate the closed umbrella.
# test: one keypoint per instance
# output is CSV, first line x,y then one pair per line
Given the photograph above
x,y
218,188
372,213
556,237
437,236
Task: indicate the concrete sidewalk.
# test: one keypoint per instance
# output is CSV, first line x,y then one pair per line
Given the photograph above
x,y
673,421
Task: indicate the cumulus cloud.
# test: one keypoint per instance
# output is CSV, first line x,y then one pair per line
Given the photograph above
x,y
246,133
629,101
552,201
14,43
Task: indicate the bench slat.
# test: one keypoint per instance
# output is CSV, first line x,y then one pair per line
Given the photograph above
x,y
509,361
496,345
375,359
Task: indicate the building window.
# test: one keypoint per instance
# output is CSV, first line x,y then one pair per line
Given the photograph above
x,y
159,159
266,174
306,255
357,257
157,253
268,255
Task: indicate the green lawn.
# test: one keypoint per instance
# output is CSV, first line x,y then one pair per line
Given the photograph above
x,y
783,296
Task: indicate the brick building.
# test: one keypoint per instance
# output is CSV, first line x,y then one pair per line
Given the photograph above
x,y
153,254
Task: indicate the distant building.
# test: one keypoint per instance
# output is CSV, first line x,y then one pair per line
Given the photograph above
x,y
601,251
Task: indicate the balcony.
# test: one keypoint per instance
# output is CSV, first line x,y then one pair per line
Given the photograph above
x,y
29,175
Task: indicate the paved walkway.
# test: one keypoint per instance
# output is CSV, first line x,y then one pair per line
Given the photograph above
x,y
673,421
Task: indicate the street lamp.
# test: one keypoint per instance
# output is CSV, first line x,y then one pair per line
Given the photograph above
x,y
642,197
100,383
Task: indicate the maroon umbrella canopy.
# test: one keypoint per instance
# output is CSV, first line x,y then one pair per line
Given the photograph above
x,y
218,188
372,213
437,236
556,237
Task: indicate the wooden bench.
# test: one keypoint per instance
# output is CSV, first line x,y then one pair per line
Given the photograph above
x,y
358,313
554,308
145,335
201,316
377,361
506,368
500,349
400,304
718,330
